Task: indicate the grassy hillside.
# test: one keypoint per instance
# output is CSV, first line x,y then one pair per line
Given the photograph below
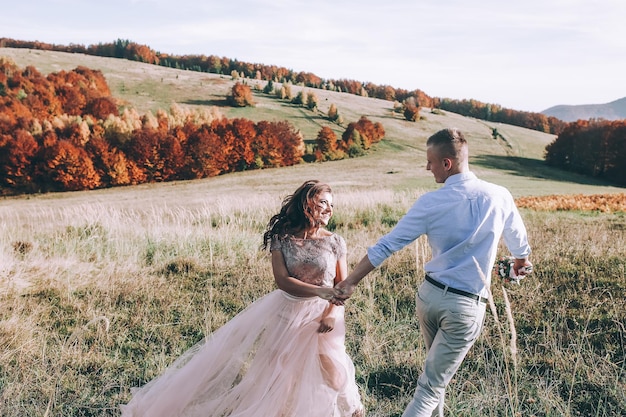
x,y
101,290
397,163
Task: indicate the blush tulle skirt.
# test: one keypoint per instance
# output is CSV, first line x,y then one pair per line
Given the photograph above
x,y
268,361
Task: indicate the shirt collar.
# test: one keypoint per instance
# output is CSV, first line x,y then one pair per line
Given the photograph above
x,y
460,177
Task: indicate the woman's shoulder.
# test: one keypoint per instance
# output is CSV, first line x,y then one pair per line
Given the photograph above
x,y
327,234
336,236
338,242
278,240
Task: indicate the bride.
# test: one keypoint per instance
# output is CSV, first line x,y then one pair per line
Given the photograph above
x,y
284,355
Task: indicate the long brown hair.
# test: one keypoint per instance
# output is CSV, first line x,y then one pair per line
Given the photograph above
x,y
295,212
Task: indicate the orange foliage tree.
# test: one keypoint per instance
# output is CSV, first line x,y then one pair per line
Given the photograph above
x,y
201,146
17,155
101,107
64,132
241,95
361,134
326,145
278,144
69,168
110,163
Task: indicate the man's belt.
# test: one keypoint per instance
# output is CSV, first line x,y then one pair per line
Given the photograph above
x,y
455,291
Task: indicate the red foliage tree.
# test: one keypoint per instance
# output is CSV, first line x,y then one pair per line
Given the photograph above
x,y
279,144
17,155
172,156
92,82
159,154
111,164
101,107
368,133
243,150
200,148
69,168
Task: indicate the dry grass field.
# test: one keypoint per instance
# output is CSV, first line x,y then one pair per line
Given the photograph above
x,y
101,290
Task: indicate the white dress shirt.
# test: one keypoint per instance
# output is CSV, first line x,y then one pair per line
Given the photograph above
x,y
464,220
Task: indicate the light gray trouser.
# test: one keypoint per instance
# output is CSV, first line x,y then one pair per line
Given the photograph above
x,y
450,324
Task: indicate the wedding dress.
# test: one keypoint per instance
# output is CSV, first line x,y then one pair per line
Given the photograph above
x,y
269,360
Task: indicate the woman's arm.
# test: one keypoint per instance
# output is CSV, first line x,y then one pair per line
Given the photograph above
x,y
327,322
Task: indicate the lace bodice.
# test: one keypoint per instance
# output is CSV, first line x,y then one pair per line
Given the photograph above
x,y
313,261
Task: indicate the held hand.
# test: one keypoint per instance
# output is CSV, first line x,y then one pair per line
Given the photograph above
x,y
326,293
343,291
326,325
522,267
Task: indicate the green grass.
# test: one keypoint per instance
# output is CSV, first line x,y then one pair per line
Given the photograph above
x,y
101,290
108,294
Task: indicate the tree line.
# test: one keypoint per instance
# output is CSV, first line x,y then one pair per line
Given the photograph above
x,y
222,65
600,142
591,147
496,113
64,132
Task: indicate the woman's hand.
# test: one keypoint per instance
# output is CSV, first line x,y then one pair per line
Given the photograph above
x,y
326,293
326,324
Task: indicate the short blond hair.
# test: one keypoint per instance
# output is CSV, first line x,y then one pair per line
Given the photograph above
x,y
449,142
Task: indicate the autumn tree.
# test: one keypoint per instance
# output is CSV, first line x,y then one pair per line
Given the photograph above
x,y
278,144
200,148
284,93
299,99
17,153
243,155
333,113
69,168
411,112
591,147
159,154
241,95
362,134
101,107
311,101
226,141
326,145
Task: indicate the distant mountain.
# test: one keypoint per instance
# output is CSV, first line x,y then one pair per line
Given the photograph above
x,y
615,110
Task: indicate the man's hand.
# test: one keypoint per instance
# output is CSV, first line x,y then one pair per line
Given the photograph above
x,y
345,288
522,267
343,291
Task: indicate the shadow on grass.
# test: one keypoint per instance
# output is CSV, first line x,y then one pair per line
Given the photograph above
x,y
216,102
533,168
392,382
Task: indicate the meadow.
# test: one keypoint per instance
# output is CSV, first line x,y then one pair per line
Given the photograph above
x,y
101,290
100,297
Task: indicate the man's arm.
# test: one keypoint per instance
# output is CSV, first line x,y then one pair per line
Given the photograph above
x,y
346,287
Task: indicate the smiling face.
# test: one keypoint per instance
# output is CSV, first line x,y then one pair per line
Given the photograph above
x,y
322,209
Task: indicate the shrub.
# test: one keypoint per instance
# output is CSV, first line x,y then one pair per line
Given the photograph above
x,y
241,96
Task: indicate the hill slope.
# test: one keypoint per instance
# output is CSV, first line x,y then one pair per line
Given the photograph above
x,y
397,163
615,110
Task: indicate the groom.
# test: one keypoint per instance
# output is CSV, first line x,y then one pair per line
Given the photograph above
x,y
464,220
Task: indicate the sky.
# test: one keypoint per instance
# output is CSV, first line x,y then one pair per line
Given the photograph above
x,y
524,55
